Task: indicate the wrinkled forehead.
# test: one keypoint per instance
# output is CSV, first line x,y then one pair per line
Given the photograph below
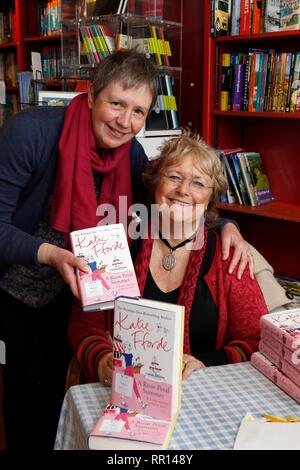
x,y
195,164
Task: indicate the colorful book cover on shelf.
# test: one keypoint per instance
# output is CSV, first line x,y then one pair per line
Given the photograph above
x,y
283,325
272,16
262,188
147,362
290,15
106,251
266,367
220,17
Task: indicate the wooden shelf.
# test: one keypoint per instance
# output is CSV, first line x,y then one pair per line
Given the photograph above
x,y
233,114
282,35
12,88
8,45
274,210
53,37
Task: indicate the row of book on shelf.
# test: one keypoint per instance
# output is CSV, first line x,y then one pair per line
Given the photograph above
x,y
278,357
244,17
261,80
99,40
248,183
147,344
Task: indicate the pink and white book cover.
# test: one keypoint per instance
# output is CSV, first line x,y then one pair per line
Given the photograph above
x,y
266,367
127,424
284,326
147,359
290,355
106,251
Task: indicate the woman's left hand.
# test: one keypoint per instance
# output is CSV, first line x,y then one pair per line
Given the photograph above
x,y
190,363
231,237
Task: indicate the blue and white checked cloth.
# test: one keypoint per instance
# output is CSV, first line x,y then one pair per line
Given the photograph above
x,y
214,401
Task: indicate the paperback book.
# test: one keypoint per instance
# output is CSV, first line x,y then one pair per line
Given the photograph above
x,y
146,382
106,251
284,326
266,367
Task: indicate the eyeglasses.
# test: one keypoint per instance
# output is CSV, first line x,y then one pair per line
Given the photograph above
x,y
195,185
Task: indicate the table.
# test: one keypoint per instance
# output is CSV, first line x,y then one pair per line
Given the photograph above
x,y
214,401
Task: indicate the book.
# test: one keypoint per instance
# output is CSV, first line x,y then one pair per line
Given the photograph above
x,y
106,251
262,188
122,429
272,16
284,326
290,355
266,367
283,365
146,380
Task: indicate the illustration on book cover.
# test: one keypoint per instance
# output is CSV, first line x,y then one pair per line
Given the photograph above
x,y
105,250
142,360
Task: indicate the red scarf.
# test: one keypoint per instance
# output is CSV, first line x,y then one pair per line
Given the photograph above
x,y
74,202
188,287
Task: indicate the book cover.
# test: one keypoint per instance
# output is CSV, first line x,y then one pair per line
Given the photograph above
x,y
266,367
123,429
106,251
147,344
146,382
262,188
220,20
272,16
283,325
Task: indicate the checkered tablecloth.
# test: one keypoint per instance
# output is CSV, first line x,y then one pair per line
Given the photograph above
x,y
214,401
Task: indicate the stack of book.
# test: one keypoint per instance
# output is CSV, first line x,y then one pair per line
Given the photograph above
x,y
279,350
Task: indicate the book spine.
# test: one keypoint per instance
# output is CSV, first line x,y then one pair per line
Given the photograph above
x,y
281,380
232,178
245,17
278,333
290,355
225,82
247,179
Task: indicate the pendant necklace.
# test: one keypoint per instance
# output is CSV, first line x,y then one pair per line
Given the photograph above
x,y
169,261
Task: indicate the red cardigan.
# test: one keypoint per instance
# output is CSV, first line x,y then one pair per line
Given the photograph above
x,y
240,304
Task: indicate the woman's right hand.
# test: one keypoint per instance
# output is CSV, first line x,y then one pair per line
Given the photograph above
x,y
105,369
64,262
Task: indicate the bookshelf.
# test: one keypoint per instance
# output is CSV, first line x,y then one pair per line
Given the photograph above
x,y
274,228
86,40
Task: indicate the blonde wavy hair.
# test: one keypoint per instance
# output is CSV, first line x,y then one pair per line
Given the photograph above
x,y
173,152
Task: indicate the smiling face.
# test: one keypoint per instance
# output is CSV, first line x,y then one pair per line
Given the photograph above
x,y
183,192
118,114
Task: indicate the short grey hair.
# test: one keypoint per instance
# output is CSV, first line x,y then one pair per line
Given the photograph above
x,y
130,67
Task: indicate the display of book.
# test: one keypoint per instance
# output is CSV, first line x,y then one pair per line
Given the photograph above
x,y
146,382
106,251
